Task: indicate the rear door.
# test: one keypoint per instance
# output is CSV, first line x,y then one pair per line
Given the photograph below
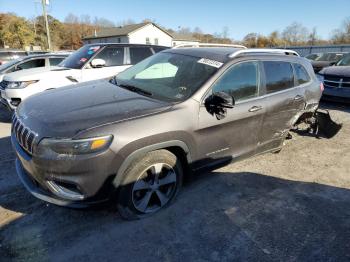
x,y
237,133
139,53
282,101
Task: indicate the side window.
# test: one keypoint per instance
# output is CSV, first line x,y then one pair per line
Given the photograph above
x,y
279,76
241,81
137,54
301,74
55,61
32,64
114,56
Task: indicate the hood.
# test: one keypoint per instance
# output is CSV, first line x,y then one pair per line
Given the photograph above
x,y
35,73
321,63
64,112
343,71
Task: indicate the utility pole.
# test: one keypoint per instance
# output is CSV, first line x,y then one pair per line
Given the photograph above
x,y
46,24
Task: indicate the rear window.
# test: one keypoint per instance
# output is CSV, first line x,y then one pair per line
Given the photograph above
x,y
279,76
301,74
32,64
137,54
158,49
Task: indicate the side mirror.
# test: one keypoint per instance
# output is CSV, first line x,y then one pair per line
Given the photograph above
x,y
98,63
217,104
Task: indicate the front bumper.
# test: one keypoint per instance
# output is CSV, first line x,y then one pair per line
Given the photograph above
x,y
336,94
91,175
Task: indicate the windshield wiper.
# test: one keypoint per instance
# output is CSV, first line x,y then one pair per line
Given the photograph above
x,y
136,89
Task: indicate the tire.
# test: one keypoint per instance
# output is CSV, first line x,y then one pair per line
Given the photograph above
x,y
149,184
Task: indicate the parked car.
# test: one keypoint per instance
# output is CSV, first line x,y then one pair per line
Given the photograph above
x,y
336,80
326,59
313,56
134,138
91,62
7,55
31,61
40,62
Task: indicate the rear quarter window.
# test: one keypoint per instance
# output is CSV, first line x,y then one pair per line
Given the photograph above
x,y
279,76
301,74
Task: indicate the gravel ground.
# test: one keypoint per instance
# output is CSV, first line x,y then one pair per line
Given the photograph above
x,y
291,206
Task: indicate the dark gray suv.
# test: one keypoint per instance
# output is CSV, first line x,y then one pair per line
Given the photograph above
x,y
133,138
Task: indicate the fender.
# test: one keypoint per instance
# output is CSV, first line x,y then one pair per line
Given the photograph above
x,y
142,151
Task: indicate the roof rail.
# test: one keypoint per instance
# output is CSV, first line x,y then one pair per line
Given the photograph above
x,y
264,50
209,45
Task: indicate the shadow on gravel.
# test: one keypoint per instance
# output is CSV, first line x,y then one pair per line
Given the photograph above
x,y
335,106
217,217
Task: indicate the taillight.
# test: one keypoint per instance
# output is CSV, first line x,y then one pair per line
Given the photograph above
x,y
321,86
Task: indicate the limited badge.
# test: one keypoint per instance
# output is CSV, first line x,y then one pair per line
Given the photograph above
x,y
210,62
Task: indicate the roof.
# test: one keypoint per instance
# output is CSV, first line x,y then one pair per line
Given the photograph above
x,y
220,54
225,54
121,30
184,37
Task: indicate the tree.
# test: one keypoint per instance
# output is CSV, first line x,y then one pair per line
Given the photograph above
x,y
342,34
15,31
251,40
295,34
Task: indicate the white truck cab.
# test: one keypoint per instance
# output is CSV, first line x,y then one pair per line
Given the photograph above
x,y
90,62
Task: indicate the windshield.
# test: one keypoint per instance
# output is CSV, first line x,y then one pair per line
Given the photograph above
x,y
167,76
345,61
329,57
79,58
9,64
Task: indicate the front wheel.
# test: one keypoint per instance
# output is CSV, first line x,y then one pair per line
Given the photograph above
x,y
149,184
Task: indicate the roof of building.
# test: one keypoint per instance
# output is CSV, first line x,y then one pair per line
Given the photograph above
x,y
184,37
121,30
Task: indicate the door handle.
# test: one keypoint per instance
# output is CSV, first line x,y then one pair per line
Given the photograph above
x,y
298,98
255,108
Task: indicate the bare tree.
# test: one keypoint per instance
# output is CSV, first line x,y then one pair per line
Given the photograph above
x,y
225,32
295,34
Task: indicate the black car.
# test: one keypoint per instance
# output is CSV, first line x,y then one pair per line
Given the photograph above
x,y
134,138
336,80
326,59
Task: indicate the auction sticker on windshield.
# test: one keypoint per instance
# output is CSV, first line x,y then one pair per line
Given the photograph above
x,y
210,62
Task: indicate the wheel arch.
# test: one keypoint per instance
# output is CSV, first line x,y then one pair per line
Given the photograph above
x,y
177,147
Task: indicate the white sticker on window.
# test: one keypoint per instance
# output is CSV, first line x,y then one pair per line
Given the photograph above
x,y
210,62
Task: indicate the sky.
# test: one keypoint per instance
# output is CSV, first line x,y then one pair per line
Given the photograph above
x,y
240,16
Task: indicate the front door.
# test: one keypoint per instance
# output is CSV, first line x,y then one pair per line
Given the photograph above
x,y
115,63
236,134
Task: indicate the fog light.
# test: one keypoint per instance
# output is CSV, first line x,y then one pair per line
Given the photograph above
x,y
15,101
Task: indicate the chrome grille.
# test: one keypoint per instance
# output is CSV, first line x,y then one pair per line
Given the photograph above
x,y
24,136
337,82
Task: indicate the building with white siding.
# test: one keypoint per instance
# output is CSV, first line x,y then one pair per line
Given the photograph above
x,y
143,33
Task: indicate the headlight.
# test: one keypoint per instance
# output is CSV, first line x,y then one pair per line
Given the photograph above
x,y
320,77
74,147
18,85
